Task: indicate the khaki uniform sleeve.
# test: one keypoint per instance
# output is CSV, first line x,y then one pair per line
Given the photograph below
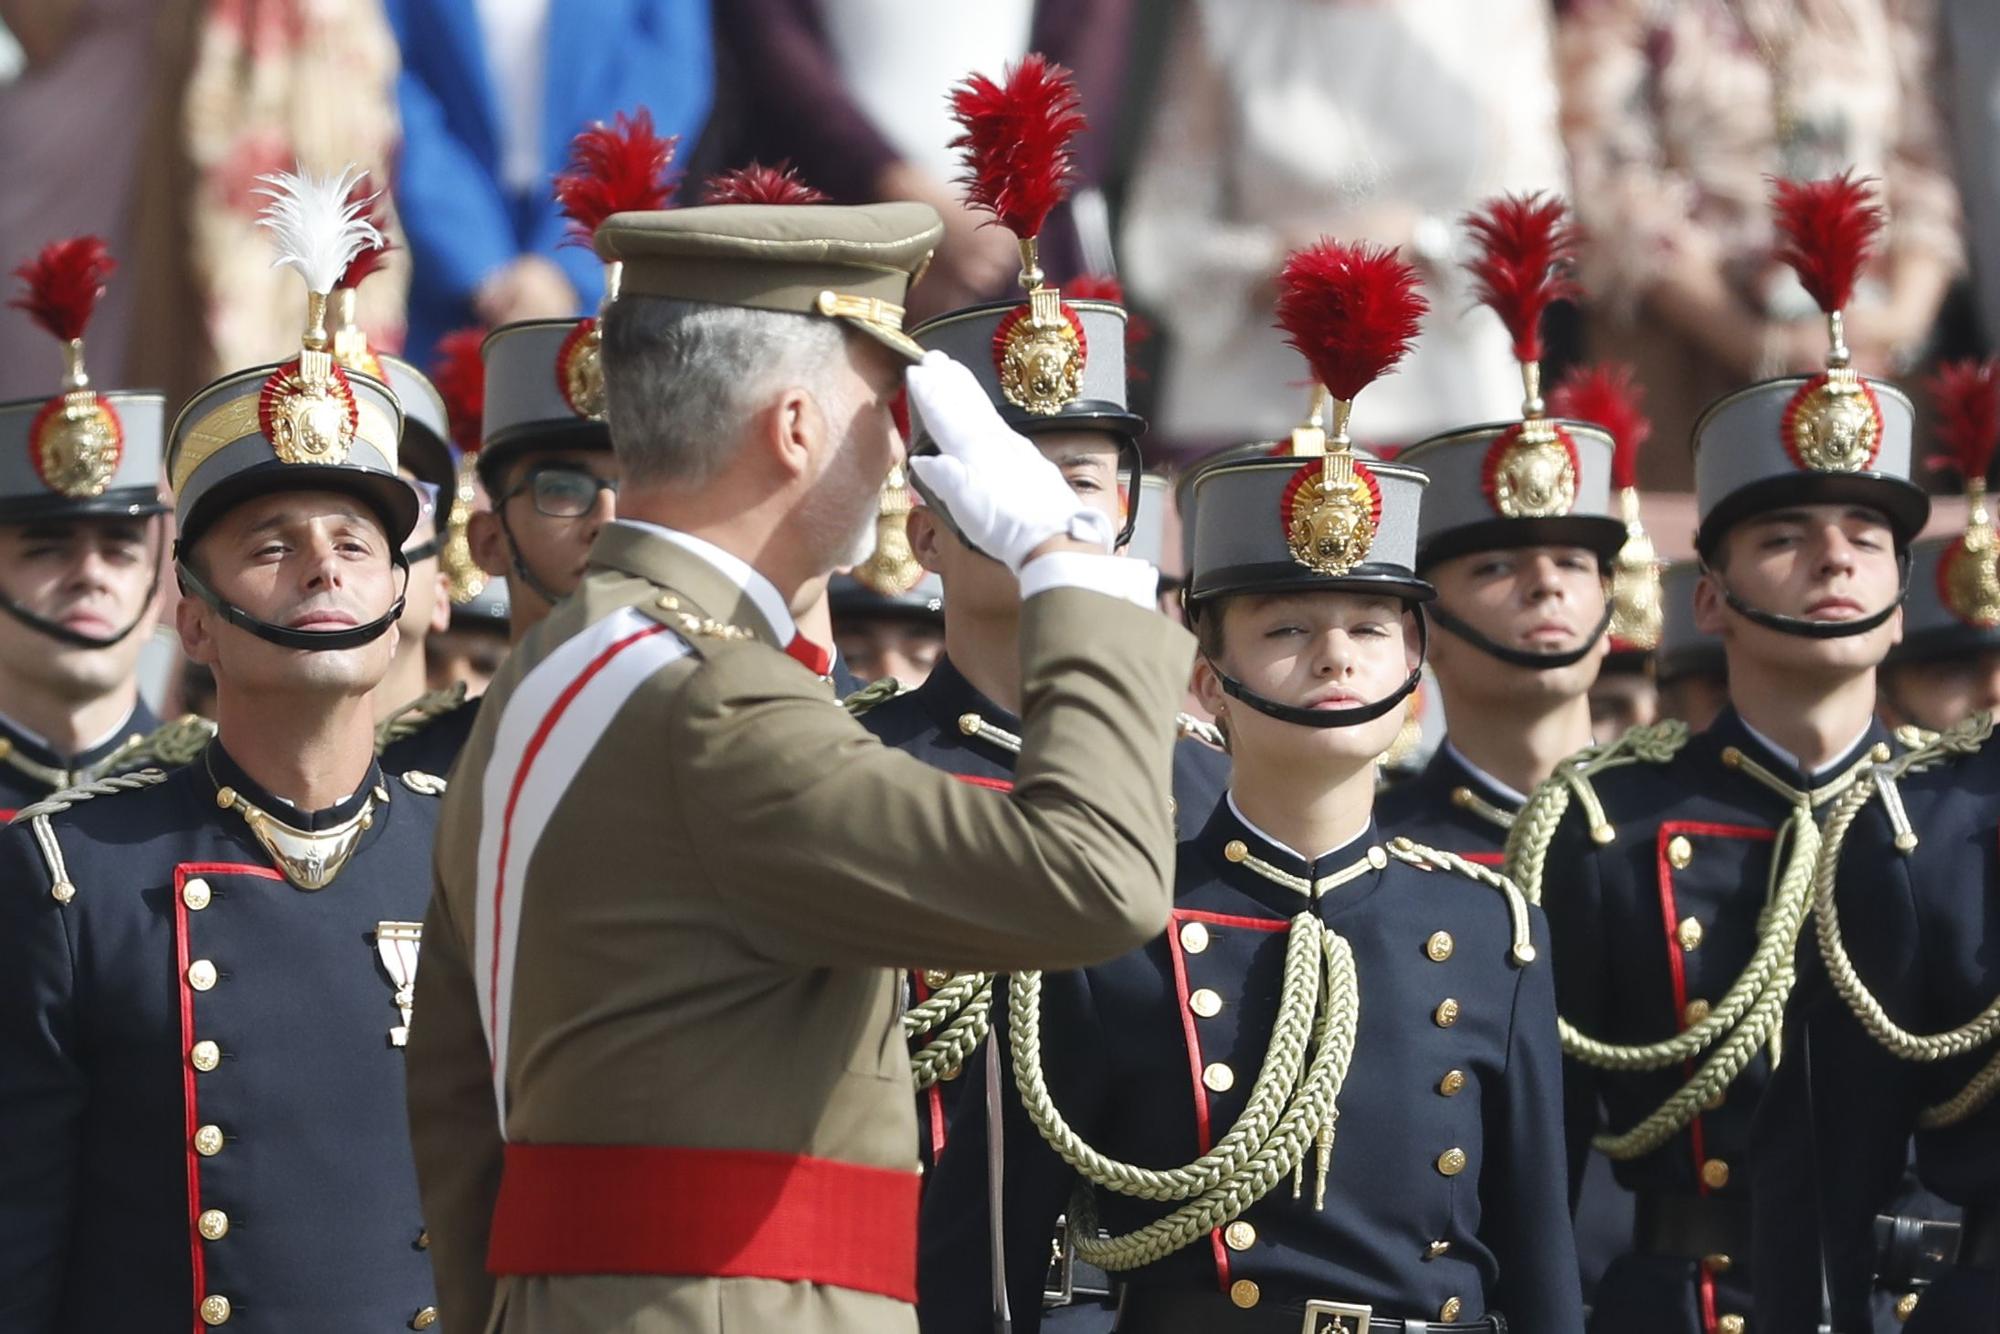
x,y
454,1125
831,849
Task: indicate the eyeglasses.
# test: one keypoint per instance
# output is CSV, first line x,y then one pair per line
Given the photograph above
x,y
562,493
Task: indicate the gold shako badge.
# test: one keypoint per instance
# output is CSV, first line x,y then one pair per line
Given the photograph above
x,y
76,441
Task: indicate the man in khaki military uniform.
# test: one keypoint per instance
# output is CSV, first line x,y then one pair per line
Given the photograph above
x,y
658,1080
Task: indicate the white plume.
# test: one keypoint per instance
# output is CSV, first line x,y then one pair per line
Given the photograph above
x,y
317,231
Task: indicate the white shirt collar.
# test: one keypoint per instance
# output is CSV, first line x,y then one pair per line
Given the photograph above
x,y
763,594
1794,760
1518,798
1251,825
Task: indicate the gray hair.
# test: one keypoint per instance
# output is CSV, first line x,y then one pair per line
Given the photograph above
x,y
680,377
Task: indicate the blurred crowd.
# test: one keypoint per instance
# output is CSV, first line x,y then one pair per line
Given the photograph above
x,y
1223,134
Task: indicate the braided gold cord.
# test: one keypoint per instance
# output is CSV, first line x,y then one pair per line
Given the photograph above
x,y
1981,1029
944,1055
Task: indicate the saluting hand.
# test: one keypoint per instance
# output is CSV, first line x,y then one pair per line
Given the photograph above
x,y
1006,499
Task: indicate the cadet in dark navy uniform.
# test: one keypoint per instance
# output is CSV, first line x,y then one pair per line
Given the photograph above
x,y
1905,891
81,546
205,977
1326,1099
1675,868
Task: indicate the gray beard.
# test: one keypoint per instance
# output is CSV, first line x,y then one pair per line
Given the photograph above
x,y
861,545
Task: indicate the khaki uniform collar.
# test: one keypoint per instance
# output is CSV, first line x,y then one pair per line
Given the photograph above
x,y
702,588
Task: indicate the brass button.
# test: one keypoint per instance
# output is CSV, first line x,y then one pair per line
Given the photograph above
x,y
1244,1293
1377,858
1715,1174
1447,1012
1194,937
424,1318
225,797
208,1141
1453,1081
1451,1162
1906,1306
1234,850
1717,1263
968,723
1438,946
424,1240
1689,934
1461,797
213,1224
1879,752
201,974
1205,1003
205,1056
195,893
1435,1249
1449,1311
215,1310
1697,1010
1239,1236
1219,1077
1730,1324
1679,852
935,978
62,891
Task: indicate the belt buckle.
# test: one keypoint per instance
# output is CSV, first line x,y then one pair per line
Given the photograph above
x,y
1336,1318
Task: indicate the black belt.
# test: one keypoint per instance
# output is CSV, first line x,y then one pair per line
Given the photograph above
x,y
1979,1237
1913,1252
1692,1227
1148,1310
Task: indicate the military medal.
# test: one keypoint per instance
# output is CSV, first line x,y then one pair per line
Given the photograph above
x,y
398,944
1016,136
1353,311
76,442
615,168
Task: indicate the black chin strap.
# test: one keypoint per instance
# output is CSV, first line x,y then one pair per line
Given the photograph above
x,y
64,635
312,641
1349,717
1518,657
1805,629
520,562
422,551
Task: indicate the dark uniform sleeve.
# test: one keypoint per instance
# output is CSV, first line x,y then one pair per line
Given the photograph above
x,y
841,851
1523,1184
1832,1133
42,1088
454,1122
955,1264
1573,897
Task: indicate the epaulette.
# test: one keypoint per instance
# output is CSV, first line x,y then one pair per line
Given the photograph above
x,y
1196,729
412,717
1912,737
1426,858
1528,841
169,745
875,692
61,888
424,784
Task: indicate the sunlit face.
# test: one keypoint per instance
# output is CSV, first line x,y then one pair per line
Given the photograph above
x,y
305,560
1828,563
849,423
1541,599
1940,692
1317,650
92,576
427,607
1089,463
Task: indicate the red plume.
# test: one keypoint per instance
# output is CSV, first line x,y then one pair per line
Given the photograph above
x,y
1827,231
759,184
615,168
1526,243
369,258
1352,310
64,282
1966,397
1609,396
459,373
1017,141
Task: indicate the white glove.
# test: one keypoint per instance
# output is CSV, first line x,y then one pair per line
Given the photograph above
x,y
1004,497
